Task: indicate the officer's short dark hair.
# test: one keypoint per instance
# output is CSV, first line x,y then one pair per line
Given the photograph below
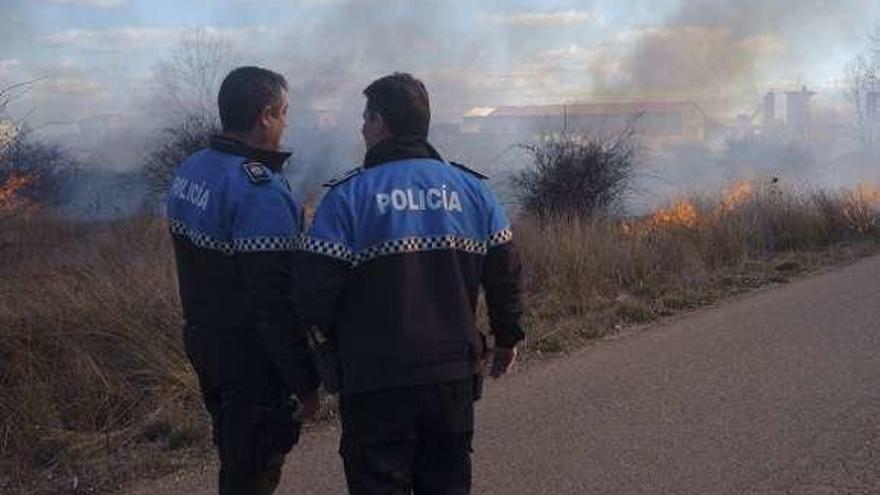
x,y
245,92
402,101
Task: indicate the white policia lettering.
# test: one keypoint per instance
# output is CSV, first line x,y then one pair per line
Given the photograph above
x,y
196,194
419,200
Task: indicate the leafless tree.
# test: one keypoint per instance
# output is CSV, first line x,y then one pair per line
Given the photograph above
x,y
9,93
188,80
187,83
579,174
862,74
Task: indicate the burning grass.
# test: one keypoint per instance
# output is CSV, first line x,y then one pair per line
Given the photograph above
x,y
95,387
601,273
13,200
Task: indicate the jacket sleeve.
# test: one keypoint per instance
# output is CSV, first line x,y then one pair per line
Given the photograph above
x,y
265,230
502,278
324,260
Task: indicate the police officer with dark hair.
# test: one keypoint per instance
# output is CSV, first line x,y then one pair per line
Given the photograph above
x,y
234,226
392,266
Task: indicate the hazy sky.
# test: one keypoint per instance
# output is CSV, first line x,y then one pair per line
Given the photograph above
x,y
97,56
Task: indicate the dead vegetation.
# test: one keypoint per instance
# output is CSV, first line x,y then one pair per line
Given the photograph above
x,y
96,390
90,360
589,276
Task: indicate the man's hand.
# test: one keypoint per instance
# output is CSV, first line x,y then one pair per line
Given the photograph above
x,y
308,408
502,361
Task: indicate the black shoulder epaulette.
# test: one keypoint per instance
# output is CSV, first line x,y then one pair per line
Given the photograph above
x,y
342,178
469,170
257,173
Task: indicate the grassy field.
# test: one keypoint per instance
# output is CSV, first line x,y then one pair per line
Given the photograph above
x,y
96,390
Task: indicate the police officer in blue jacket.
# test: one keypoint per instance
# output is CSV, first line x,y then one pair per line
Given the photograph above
x,y
234,225
392,266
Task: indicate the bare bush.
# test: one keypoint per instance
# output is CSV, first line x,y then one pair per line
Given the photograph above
x,y
26,154
31,169
32,173
577,174
172,146
187,85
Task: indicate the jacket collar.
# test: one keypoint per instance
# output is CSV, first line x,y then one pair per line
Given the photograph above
x,y
273,159
400,148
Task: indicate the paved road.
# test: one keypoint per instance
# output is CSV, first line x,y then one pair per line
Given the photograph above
x,y
777,392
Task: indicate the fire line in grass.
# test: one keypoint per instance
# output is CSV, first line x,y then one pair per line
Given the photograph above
x,y
684,214
13,199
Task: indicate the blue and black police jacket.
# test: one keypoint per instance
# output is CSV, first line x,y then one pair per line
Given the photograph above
x,y
393,263
234,226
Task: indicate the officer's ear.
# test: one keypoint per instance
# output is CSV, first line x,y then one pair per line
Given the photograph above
x,y
267,115
263,118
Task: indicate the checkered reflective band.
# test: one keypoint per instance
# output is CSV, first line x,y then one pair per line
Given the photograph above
x,y
416,244
258,244
500,237
396,246
327,248
200,239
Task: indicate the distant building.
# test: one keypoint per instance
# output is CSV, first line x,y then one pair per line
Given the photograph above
x,y
657,120
798,118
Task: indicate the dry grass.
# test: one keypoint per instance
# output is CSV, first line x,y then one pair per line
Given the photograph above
x,y
90,360
95,386
588,277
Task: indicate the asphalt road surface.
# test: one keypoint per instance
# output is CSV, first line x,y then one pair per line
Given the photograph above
x,y
776,392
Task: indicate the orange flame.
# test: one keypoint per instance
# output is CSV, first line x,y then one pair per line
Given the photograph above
x,y
868,194
860,208
12,199
736,196
683,214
